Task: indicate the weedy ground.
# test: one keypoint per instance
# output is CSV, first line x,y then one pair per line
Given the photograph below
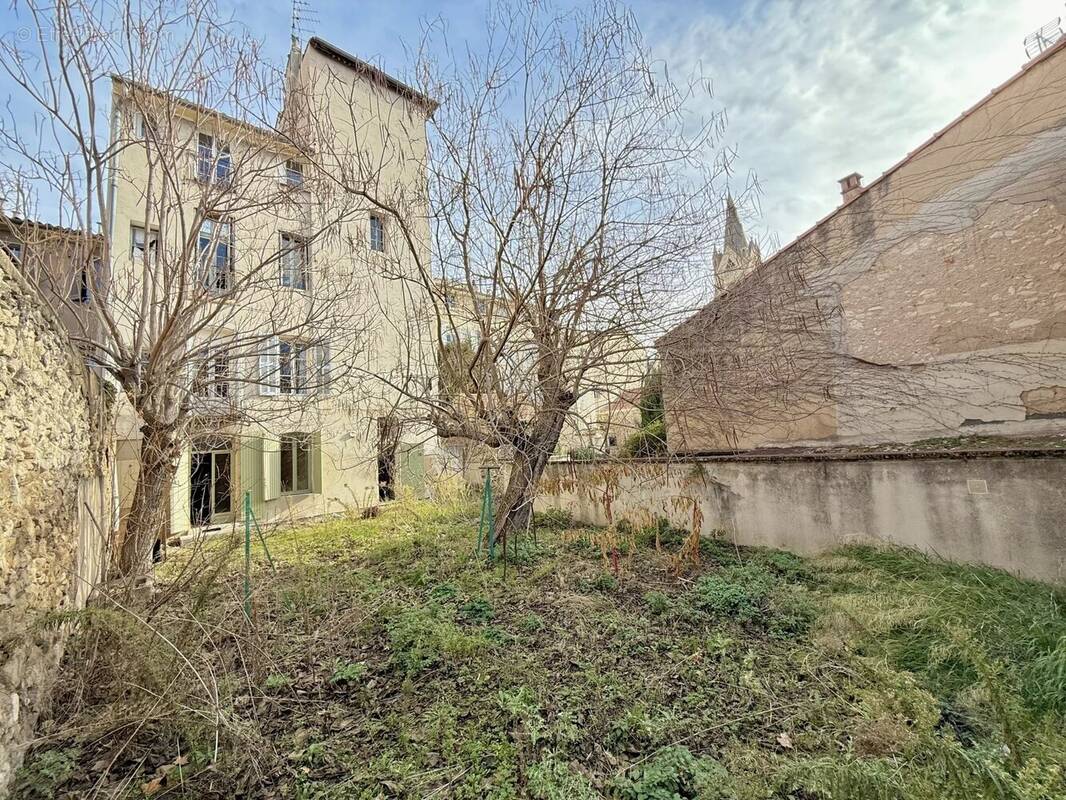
x,y
386,660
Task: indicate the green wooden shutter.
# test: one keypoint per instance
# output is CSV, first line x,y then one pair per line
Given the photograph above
x,y
271,469
316,462
179,495
251,471
412,467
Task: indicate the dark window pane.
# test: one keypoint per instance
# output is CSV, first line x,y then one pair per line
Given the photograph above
x,y
222,483
303,465
286,464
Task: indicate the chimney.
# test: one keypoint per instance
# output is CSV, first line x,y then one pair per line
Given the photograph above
x,y
850,186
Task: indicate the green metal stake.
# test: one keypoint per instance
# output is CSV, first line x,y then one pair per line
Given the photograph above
x,y
248,556
491,516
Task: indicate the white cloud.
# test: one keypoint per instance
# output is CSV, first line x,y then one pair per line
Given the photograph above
x,y
816,90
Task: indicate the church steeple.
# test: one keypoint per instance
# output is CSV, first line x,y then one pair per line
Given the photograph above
x,y
738,256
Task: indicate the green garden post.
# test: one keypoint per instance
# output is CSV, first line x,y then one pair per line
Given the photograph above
x,y
248,556
491,516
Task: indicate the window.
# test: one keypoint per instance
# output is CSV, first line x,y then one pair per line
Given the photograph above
x,y
143,127
213,161
213,379
142,241
295,463
216,251
294,261
294,174
292,368
14,250
79,286
377,233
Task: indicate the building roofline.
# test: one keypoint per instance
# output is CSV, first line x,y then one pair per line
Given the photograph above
x,y
14,222
368,70
911,155
200,108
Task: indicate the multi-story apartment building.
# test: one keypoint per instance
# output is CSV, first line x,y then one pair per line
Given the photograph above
x,y
299,403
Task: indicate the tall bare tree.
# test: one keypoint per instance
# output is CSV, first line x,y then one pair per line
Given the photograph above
x,y
574,199
163,107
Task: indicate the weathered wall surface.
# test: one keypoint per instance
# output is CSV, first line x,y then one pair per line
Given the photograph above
x,y
1008,512
54,503
931,304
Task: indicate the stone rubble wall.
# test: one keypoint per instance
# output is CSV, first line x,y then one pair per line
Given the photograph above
x,y
55,503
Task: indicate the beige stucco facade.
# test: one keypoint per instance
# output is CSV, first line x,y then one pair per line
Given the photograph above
x,y
299,452
931,303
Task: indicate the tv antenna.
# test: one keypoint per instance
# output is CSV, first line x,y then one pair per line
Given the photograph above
x,y
303,18
1041,39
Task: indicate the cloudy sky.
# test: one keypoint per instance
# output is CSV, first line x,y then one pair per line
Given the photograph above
x,y
813,89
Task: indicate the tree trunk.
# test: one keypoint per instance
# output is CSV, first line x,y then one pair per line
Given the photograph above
x,y
515,507
147,521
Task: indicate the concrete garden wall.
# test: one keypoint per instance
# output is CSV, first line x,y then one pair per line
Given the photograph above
x,y
1007,511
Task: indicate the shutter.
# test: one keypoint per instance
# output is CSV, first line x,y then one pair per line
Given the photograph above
x,y
271,469
324,368
179,495
269,368
251,473
412,468
316,462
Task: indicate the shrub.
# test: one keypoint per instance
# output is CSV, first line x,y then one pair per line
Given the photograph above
x,y
44,774
650,440
552,778
739,591
421,639
675,773
277,681
478,610
347,672
658,603
554,519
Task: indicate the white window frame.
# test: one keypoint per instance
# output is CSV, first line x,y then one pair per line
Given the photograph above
x,y
216,378
295,442
149,242
377,233
292,367
215,234
292,174
295,261
214,163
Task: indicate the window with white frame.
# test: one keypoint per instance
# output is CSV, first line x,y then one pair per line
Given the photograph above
x,y
294,174
292,367
295,259
287,366
143,127
295,461
213,161
216,253
143,242
213,378
377,233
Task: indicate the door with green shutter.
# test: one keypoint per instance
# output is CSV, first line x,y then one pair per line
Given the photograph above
x,y
179,495
251,474
412,468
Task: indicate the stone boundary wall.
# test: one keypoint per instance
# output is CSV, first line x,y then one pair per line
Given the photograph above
x,y
55,502
1004,510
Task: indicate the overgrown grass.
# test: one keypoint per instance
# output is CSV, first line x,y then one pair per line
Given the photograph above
x,y
386,660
